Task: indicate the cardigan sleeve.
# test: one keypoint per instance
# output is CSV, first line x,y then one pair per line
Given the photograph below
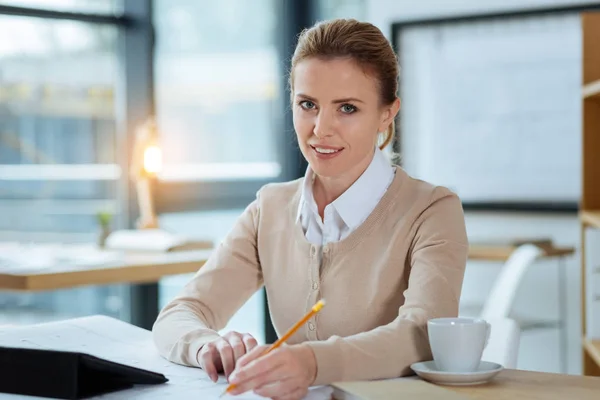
x,y
227,280
437,261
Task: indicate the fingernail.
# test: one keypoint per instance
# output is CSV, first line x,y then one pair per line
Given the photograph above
x,y
233,378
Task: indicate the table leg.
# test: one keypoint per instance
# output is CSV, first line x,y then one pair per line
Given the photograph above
x,y
143,299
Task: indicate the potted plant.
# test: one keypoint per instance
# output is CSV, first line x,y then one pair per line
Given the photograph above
x,y
104,218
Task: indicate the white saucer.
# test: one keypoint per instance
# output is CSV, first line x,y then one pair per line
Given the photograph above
x,y
429,372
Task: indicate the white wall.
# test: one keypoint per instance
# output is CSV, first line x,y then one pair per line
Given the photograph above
x,y
385,12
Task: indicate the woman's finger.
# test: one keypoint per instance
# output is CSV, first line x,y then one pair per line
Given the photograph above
x,y
249,342
265,370
226,355
252,355
207,363
238,347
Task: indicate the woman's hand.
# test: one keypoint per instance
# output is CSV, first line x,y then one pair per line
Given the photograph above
x,y
222,354
284,373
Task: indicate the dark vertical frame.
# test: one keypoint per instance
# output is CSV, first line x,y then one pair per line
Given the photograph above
x,y
135,103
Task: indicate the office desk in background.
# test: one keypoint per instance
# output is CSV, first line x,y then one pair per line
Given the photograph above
x,y
146,267
120,342
501,252
143,270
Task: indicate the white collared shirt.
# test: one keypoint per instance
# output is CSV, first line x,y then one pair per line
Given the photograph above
x,y
351,209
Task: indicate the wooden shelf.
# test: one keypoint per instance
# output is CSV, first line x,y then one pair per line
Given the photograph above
x,y
590,218
589,214
592,348
591,90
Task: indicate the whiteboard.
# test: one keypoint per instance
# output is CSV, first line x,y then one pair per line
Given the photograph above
x,y
491,108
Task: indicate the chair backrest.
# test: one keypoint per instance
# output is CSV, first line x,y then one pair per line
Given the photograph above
x,y
501,297
503,344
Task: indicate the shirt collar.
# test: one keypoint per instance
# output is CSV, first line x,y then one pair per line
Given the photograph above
x,y
307,199
364,193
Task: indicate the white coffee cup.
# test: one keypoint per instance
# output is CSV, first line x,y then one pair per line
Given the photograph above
x,y
457,344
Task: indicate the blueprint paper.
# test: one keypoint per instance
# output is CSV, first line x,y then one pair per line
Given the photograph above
x,y
120,342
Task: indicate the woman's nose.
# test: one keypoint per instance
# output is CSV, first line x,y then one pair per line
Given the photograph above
x,y
323,125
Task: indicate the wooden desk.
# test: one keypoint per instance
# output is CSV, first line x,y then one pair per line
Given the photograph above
x,y
518,384
130,268
142,271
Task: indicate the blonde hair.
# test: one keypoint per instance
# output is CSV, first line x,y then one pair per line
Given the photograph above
x,y
362,42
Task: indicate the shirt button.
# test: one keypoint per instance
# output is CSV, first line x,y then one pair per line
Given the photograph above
x,y
311,326
325,249
315,285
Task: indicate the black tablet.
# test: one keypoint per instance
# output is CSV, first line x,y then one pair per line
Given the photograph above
x,y
66,375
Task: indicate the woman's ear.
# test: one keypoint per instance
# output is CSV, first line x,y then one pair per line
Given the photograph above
x,y
389,113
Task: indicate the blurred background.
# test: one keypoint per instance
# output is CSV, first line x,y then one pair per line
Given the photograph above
x,y
491,107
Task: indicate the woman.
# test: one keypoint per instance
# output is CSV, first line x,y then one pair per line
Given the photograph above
x,y
386,251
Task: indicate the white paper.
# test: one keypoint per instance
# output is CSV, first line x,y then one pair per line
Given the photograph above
x,y
143,240
21,258
120,342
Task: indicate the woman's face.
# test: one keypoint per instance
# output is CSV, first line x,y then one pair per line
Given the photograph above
x,y
337,116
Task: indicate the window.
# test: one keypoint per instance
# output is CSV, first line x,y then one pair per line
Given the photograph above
x,y
216,85
58,160
217,100
57,128
330,9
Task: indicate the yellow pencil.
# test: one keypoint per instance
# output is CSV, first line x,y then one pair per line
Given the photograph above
x,y
315,309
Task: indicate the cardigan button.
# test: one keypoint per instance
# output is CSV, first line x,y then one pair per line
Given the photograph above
x,y
311,326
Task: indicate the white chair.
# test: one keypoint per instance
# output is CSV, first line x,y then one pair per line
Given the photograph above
x,y
503,344
500,300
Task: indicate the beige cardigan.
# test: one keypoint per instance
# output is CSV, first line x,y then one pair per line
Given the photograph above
x,y
404,265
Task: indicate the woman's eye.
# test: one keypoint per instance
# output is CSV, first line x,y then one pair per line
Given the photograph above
x,y
307,105
348,109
